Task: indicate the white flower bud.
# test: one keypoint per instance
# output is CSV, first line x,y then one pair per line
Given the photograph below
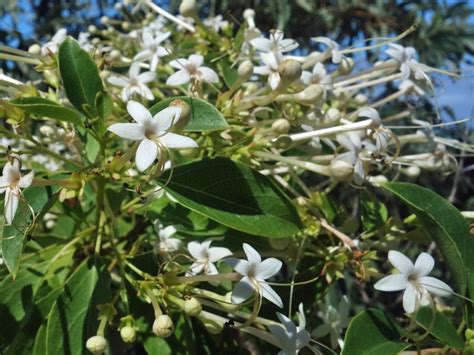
x,y
281,126
346,66
332,116
47,131
187,8
163,326
290,70
361,99
95,41
341,170
192,307
128,334
104,20
378,180
118,6
245,70
96,344
413,171
125,25
34,49
249,13
92,29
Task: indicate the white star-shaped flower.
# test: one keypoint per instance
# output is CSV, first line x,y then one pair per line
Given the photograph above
x,y
153,132
319,76
217,23
255,272
352,142
276,44
406,59
414,280
336,319
205,257
52,46
191,68
11,183
167,244
135,83
271,63
289,337
152,49
332,48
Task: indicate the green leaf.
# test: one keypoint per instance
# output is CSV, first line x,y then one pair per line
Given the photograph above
x,y
446,226
441,327
229,74
13,237
46,108
234,195
40,341
80,76
204,116
154,345
73,317
372,332
373,212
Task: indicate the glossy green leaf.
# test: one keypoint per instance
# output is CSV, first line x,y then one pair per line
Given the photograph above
x,y
446,226
204,116
80,76
372,332
73,317
234,195
39,347
154,345
440,327
373,212
50,109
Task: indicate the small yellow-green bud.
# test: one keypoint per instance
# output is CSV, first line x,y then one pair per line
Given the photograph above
x,y
128,334
346,66
279,244
163,326
96,344
92,29
281,126
51,78
125,25
104,20
245,70
34,49
192,307
332,116
115,54
290,70
361,99
469,334
187,8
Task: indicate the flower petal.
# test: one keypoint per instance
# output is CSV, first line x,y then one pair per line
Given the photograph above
x,y
287,323
262,44
410,299
167,232
197,251
146,77
242,291
274,80
179,63
267,268
218,253
176,141
134,70
196,60
146,154
26,180
179,78
401,262
435,286
321,330
239,265
167,118
208,75
118,80
138,112
132,131
270,294
424,264
252,255
395,282
11,205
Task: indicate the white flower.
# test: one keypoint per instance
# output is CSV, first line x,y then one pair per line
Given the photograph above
x,y
255,272
216,23
332,49
276,44
11,183
84,41
272,62
405,56
205,257
135,83
152,50
352,142
414,280
289,337
191,68
335,320
52,46
166,243
319,75
153,132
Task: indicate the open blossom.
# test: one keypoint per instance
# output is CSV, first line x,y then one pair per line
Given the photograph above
x,y
205,256
191,68
276,44
166,243
414,280
336,319
153,132
332,49
353,143
271,63
255,272
135,83
11,183
152,49
52,46
289,337
216,22
319,76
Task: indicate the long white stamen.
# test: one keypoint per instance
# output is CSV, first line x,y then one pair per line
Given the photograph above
x,y
170,17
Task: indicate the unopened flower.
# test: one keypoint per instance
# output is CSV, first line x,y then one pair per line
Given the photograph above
x,y
191,68
135,83
276,44
96,344
289,337
163,326
414,280
336,319
128,334
255,272
352,142
205,257
152,49
11,183
52,46
153,132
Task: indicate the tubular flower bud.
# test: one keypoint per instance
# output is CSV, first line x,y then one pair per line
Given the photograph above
x,y
245,70
128,334
281,126
249,16
309,95
361,99
341,170
192,307
163,326
96,344
332,116
34,49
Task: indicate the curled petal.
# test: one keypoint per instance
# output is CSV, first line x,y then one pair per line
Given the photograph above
x,y
167,118
11,205
239,265
208,75
218,253
26,180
